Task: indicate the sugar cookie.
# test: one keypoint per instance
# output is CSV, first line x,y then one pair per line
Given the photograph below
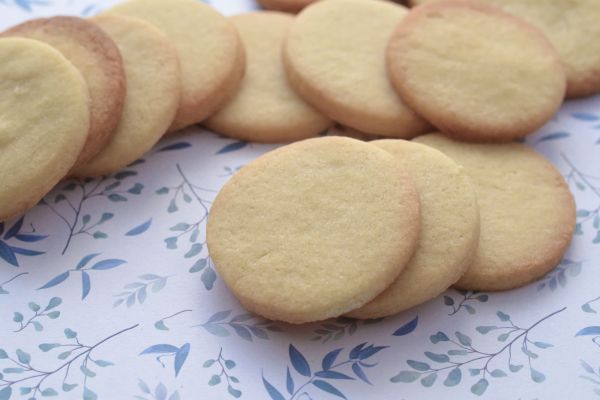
x,y
527,212
572,27
449,229
290,6
266,108
210,52
151,102
98,60
334,57
349,237
474,71
44,121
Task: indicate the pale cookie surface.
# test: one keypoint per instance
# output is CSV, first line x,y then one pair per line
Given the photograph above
x,y
291,6
44,121
572,27
335,58
153,92
527,212
266,108
314,229
475,72
210,52
98,60
449,229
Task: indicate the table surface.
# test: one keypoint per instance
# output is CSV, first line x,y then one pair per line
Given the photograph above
x,y
107,291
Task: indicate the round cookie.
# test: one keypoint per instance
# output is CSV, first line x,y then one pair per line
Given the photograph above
x,y
475,72
449,230
300,261
290,6
266,108
45,118
150,104
98,60
526,210
573,28
334,57
210,53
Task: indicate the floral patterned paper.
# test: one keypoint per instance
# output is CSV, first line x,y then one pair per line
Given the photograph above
x,y
107,292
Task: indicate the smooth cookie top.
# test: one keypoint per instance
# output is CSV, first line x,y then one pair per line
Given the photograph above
x,y
150,104
527,212
266,108
335,58
98,60
449,229
475,72
210,52
314,229
44,121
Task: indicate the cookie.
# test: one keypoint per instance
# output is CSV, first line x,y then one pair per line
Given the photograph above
x,y
151,102
572,27
449,229
334,57
526,209
349,237
290,6
475,72
266,108
96,56
210,52
44,104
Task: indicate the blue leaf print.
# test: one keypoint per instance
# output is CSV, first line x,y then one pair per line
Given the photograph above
x,y
480,387
56,280
5,393
107,264
29,238
176,146
333,375
24,4
85,284
160,348
407,328
14,230
330,358
358,371
553,136
370,351
289,382
298,361
7,254
208,278
138,230
232,147
583,116
180,357
274,393
85,260
327,387
589,331
26,252
220,316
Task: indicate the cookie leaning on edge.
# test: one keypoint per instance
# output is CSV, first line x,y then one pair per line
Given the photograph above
x,y
527,212
572,27
210,52
474,71
349,237
449,229
151,102
45,119
334,55
266,108
98,60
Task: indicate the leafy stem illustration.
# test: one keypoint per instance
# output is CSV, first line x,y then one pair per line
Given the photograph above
x,y
8,251
558,277
225,366
510,333
339,328
246,326
38,313
160,324
77,351
190,193
463,302
594,378
76,194
138,290
587,306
